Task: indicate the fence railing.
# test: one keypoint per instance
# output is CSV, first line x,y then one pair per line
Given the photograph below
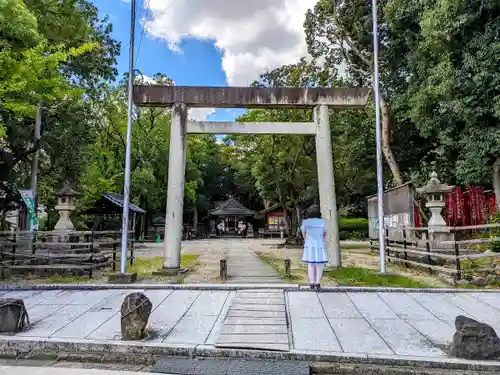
x,y
45,252
444,256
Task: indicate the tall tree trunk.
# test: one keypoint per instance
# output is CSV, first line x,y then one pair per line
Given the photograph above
x,y
267,204
386,142
295,202
297,212
286,216
195,220
496,182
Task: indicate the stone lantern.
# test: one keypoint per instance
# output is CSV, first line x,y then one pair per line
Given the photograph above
x,y
435,192
65,205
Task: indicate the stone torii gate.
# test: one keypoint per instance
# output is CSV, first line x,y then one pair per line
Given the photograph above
x,y
181,98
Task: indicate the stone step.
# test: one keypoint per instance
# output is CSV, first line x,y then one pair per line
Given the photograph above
x,y
253,323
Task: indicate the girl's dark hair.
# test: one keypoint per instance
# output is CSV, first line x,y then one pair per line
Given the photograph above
x,y
314,212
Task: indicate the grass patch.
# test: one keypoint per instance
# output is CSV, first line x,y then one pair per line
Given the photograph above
x,y
59,279
365,277
144,268
361,246
278,265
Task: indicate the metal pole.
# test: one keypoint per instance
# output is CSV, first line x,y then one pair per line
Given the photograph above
x,y
34,169
126,183
378,135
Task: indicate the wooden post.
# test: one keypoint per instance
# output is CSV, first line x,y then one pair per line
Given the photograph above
x,y
387,250
33,244
92,235
457,262
428,249
288,268
223,269
13,259
405,246
114,253
132,251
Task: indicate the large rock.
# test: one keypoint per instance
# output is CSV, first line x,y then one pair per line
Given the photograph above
x,y
135,311
474,340
13,315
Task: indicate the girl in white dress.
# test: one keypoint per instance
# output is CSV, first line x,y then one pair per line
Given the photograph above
x,y
314,232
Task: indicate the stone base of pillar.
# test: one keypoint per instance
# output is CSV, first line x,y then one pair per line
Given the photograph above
x,y
122,278
441,238
169,271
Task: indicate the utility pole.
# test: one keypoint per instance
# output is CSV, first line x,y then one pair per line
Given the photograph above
x,y
378,135
34,169
126,184
38,126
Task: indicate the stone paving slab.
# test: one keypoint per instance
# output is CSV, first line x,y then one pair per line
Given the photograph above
x,y
356,335
404,339
214,334
191,330
338,306
314,334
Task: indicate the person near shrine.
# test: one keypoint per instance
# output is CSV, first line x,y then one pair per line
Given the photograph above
x,y
314,232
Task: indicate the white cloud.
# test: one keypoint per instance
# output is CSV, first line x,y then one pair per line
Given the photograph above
x,y
196,114
200,114
255,35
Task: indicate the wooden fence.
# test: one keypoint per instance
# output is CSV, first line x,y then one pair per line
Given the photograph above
x,y
443,257
77,252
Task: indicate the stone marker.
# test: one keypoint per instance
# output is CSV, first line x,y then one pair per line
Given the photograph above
x,y
288,268
136,309
223,269
13,315
474,340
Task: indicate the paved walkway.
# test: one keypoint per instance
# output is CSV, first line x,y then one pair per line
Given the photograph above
x,y
243,266
366,323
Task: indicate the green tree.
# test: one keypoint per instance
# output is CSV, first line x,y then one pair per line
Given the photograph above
x,y
340,33
453,95
30,72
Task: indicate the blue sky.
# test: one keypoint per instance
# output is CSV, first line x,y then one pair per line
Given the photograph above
x,y
199,63
210,42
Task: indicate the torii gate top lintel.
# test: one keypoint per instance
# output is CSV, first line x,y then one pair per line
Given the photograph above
x,y
249,97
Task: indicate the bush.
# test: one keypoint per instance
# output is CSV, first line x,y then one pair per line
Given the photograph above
x,y
353,228
490,234
495,233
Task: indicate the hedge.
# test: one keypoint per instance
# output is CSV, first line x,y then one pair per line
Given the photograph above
x,y
355,228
